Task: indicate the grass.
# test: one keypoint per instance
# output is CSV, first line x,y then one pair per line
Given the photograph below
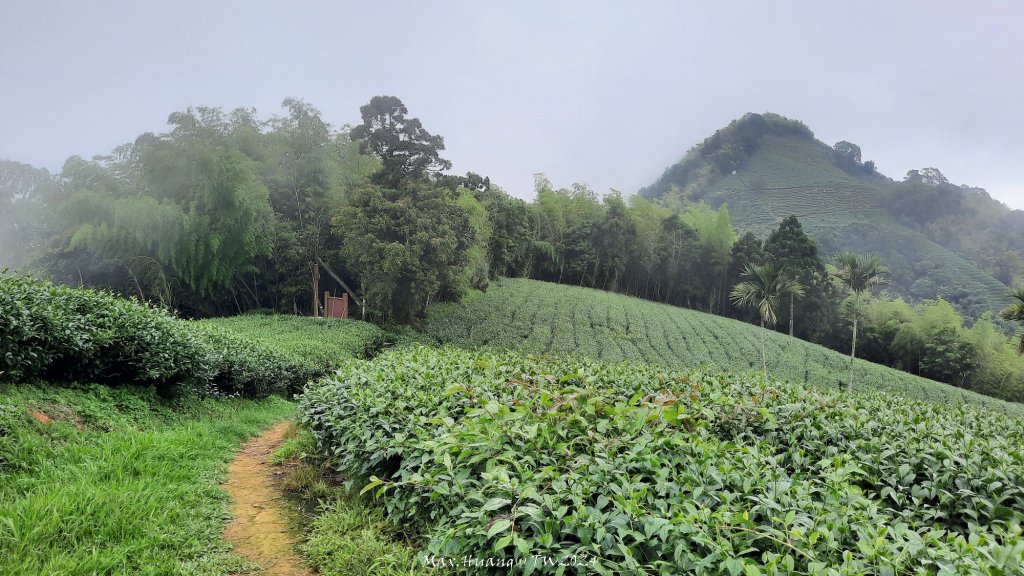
x,y
121,482
346,534
539,317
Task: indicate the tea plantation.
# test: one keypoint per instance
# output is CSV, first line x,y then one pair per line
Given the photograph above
x,y
319,342
539,317
572,466
562,431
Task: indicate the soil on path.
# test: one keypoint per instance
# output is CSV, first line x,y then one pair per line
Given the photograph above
x,y
260,531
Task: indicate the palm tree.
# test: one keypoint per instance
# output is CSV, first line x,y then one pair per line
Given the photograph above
x,y
858,273
763,287
1016,313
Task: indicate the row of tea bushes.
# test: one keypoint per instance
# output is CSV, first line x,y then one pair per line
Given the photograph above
x,y
540,317
319,342
56,333
623,469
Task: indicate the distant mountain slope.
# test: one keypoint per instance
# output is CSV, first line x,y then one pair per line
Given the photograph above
x,y
840,209
539,317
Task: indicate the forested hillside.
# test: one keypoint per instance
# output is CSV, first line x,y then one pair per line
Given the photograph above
x,y
939,240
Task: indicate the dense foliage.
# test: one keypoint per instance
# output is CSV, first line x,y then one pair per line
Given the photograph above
x,y
629,469
536,317
963,219
224,212
930,339
408,245
227,213
57,333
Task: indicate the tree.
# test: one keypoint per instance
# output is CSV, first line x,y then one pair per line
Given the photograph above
x,y
408,245
763,287
858,273
1015,312
948,357
25,192
846,155
189,201
790,249
926,176
677,279
748,250
615,234
404,147
716,234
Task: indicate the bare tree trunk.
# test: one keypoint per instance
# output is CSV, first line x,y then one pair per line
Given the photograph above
x,y
316,290
791,297
853,347
764,361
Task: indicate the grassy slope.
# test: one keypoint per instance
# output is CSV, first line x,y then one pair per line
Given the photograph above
x,y
795,176
539,317
121,482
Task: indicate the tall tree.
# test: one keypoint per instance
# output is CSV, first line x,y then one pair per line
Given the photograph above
x,y
25,192
716,234
790,249
858,274
763,287
677,279
614,238
1015,312
402,144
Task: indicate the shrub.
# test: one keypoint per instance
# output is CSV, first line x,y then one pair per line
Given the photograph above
x,y
58,333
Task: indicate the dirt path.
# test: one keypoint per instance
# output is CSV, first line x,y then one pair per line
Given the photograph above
x,y
260,531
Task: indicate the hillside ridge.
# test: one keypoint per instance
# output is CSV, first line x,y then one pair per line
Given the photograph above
x,y
842,203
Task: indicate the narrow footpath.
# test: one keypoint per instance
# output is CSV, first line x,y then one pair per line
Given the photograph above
x,y
260,531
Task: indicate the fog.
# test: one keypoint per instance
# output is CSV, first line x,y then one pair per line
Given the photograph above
x,y
607,94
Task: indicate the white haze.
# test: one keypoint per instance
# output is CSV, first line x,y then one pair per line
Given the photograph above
x,y
609,94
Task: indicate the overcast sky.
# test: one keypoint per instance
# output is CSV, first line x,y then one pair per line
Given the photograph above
x,y
606,93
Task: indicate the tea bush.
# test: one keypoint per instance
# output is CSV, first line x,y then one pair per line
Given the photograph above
x,y
61,334
614,469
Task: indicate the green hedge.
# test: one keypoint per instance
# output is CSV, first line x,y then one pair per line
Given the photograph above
x,y
61,334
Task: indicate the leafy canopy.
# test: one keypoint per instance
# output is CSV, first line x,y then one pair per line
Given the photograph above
x,y
859,273
763,288
404,147
1015,312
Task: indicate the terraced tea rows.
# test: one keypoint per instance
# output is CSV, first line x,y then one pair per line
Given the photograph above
x,y
539,317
